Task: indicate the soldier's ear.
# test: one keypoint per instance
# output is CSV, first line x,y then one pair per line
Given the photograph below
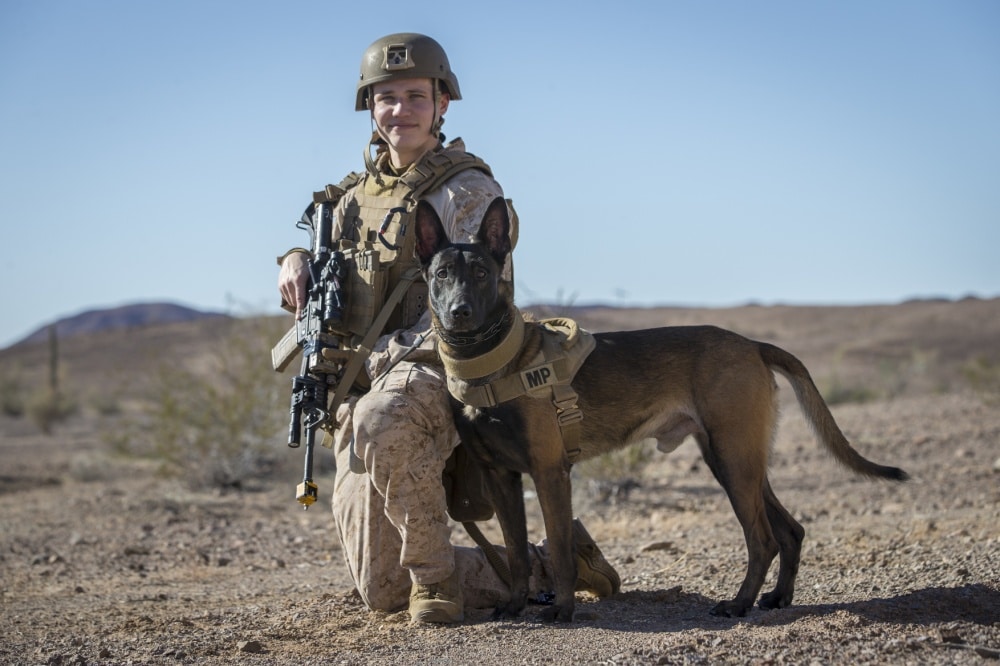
x,y
431,235
494,230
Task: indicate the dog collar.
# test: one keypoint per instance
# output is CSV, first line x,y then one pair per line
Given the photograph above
x,y
455,340
491,361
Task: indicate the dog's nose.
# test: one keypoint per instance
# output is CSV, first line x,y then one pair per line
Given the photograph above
x,y
461,311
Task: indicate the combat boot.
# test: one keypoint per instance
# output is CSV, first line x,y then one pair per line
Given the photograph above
x,y
593,573
438,602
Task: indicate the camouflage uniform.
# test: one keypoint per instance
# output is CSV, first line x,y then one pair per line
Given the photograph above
x,y
392,520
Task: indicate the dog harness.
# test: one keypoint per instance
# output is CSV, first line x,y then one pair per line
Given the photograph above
x,y
548,375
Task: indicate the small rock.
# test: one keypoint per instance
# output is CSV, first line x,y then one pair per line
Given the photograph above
x,y
951,635
250,647
658,545
672,595
986,652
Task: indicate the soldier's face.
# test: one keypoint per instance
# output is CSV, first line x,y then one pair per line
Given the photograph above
x,y
404,114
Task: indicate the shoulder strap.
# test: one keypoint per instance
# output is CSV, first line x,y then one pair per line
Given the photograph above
x,y
437,167
332,193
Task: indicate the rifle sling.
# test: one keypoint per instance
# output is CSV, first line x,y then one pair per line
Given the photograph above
x,y
362,351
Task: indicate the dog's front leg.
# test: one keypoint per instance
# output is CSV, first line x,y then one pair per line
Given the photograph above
x,y
552,482
507,494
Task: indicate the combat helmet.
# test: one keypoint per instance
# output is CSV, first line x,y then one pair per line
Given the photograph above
x,y
404,55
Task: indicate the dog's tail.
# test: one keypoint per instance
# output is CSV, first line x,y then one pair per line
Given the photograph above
x,y
819,416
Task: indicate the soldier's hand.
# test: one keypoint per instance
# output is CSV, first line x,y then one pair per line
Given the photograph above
x,y
292,280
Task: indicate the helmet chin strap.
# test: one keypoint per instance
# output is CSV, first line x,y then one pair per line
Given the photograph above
x,y
438,119
378,143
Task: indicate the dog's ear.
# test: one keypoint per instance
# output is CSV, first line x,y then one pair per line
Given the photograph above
x,y
431,235
494,230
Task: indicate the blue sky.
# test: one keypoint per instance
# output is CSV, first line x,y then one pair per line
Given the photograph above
x,y
687,153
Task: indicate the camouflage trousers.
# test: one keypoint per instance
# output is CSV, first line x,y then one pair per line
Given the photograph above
x,y
392,520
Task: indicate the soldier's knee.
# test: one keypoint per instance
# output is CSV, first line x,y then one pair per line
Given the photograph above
x,y
381,407
388,598
378,411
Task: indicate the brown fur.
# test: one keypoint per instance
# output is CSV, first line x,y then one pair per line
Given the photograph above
x,y
666,383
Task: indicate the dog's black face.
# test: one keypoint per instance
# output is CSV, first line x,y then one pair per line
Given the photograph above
x,y
463,279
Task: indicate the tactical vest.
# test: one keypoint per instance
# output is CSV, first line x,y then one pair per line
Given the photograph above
x,y
378,236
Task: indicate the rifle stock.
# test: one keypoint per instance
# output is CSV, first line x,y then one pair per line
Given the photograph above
x,y
285,351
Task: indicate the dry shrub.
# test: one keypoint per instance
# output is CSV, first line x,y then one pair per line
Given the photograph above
x,y
12,402
47,408
106,404
983,375
220,425
610,477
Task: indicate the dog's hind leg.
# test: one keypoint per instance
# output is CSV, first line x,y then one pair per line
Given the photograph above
x,y
743,478
789,534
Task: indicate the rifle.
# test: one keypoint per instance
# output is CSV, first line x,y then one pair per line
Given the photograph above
x,y
326,362
313,335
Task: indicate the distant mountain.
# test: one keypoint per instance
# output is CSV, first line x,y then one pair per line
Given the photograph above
x,y
125,316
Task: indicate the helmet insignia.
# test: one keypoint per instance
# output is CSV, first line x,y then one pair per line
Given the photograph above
x,y
397,57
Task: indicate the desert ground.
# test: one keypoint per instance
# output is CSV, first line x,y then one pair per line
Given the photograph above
x,y
108,558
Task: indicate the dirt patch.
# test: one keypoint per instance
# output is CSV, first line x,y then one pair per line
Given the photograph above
x,y
104,562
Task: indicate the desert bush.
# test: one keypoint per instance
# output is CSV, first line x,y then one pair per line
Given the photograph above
x,y
618,466
888,378
625,463
47,408
983,375
106,404
12,401
91,466
610,477
901,374
837,393
218,426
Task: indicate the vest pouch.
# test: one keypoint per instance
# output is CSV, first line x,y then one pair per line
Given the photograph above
x,y
414,303
366,284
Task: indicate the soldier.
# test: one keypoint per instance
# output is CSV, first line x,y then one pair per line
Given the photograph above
x,y
391,513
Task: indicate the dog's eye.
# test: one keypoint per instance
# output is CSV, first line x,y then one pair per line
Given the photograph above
x,y
481,273
441,273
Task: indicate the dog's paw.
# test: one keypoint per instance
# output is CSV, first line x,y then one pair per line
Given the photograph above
x,y
509,611
557,613
774,599
729,609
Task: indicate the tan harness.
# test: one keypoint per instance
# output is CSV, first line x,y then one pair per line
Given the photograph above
x,y
548,375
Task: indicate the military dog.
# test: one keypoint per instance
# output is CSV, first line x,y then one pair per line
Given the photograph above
x,y
664,383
